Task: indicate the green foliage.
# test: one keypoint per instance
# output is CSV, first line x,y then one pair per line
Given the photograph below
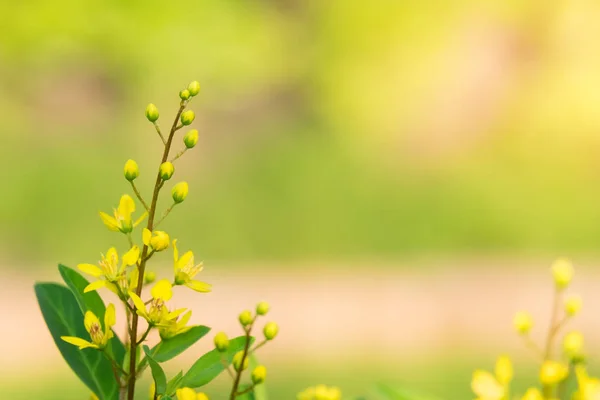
x,y
90,301
160,379
210,365
170,348
64,317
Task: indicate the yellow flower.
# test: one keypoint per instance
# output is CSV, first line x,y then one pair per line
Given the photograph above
x,y
562,271
504,370
157,313
573,305
92,325
589,388
157,240
573,344
320,392
185,270
108,267
553,372
523,322
175,327
121,222
486,386
533,394
189,394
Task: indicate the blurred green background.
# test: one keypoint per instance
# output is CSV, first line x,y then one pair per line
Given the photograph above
x,y
334,133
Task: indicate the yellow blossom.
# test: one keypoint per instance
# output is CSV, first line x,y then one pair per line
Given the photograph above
x,y
320,392
588,388
573,305
189,394
562,271
108,268
553,372
121,222
92,325
533,394
486,386
157,240
523,322
573,344
185,270
157,313
175,326
504,370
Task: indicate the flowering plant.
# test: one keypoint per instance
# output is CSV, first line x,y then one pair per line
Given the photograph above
x,y
82,326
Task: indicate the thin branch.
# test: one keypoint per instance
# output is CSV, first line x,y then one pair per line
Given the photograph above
x,y
167,211
139,196
182,152
159,133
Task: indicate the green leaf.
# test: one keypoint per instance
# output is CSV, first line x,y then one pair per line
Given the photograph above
x,y
394,393
209,366
90,301
160,379
174,383
169,348
64,318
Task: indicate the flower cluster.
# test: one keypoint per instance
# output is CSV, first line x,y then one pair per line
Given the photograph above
x,y
555,370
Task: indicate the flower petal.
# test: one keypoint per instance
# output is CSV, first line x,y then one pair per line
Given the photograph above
x,y
126,206
90,320
81,343
90,269
94,286
176,313
110,317
133,278
139,304
185,260
162,290
175,251
146,236
198,286
112,256
132,256
140,219
110,222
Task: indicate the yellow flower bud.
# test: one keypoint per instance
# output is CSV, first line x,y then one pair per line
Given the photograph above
x,y
158,240
152,390
573,344
194,88
270,330
202,396
187,117
184,94
262,308
131,170
553,372
185,393
221,341
152,113
573,305
562,271
504,370
523,322
533,394
149,277
259,374
237,361
180,192
166,170
245,318
191,138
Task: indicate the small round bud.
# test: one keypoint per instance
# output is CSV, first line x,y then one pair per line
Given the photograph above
x,y
166,170
262,308
194,88
237,361
573,345
149,277
152,113
245,318
187,117
202,396
562,271
186,393
184,94
553,372
259,374
573,305
533,394
221,341
270,330
180,192
504,370
523,322
191,138
160,240
131,170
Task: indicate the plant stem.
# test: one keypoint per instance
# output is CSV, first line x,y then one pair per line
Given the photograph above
x,y
138,289
139,196
238,377
182,152
159,132
548,390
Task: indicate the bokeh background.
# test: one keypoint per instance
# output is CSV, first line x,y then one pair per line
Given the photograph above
x,y
395,177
